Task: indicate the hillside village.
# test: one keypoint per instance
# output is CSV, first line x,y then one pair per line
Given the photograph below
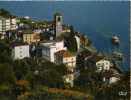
x,y
59,44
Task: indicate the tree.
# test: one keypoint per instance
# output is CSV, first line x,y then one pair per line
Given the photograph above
x,y
5,13
6,74
72,33
7,79
5,52
71,43
51,74
20,68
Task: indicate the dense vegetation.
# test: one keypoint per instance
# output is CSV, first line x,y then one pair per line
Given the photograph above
x,y
29,78
5,13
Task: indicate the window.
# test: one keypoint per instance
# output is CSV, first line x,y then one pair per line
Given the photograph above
x,y
99,68
59,19
21,56
106,63
66,59
20,51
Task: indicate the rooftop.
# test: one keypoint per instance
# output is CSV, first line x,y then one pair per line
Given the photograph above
x,y
57,14
14,44
64,53
3,18
50,42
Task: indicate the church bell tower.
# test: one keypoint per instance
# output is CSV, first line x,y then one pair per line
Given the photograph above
x,y
58,24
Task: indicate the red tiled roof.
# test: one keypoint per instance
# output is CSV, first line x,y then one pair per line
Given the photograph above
x,y
63,53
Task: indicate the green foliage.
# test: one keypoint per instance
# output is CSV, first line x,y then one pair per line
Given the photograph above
x,y
7,80
70,42
25,21
90,81
113,91
49,73
46,71
5,52
4,88
50,94
5,13
72,31
6,74
20,68
33,23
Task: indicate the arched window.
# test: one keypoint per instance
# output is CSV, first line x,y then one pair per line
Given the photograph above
x,y
59,19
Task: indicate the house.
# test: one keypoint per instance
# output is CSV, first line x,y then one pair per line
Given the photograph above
x,y
103,65
115,76
13,23
111,76
7,24
20,51
4,24
88,59
66,29
65,57
69,79
37,31
31,38
50,48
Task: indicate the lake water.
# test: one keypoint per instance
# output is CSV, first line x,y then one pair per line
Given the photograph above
x,y
99,20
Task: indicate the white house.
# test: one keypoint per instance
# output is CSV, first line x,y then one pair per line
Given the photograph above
x,y
4,24
7,24
50,48
69,59
20,51
65,57
103,65
13,22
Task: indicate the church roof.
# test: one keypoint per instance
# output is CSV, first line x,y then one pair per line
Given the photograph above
x,y
57,14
